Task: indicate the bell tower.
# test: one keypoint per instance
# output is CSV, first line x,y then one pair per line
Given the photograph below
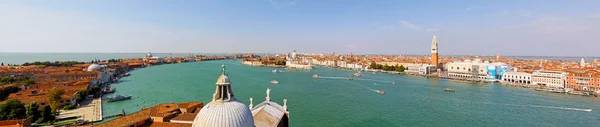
x,y
434,53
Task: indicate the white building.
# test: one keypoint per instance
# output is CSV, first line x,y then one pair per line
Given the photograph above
x,y
103,76
294,62
477,69
422,69
150,58
554,79
517,77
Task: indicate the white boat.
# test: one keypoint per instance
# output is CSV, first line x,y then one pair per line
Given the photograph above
x,y
357,74
275,71
274,81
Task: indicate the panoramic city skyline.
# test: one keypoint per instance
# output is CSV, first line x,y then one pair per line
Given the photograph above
x,y
527,28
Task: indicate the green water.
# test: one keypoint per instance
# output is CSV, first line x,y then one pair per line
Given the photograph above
x,y
411,101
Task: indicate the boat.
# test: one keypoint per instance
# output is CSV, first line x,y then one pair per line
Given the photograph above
x,y
357,74
587,110
274,81
275,71
126,74
393,82
108,90
381,92
350,79
315,76
118,97
449,90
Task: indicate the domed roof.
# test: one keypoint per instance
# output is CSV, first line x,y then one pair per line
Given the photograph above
x,y
223,80
224,110
224,114
95,66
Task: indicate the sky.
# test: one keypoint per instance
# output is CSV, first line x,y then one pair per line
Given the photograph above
x,y
477,27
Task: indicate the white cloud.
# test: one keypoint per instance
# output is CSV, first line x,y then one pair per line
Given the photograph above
x,y
282,3
504,11
409,25
526,13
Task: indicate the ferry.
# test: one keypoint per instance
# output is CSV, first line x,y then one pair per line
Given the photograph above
x,y
449,90
381,92
274,81
118,98
357,74
315,76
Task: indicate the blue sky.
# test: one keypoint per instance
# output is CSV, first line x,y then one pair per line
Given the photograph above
x,y
532,27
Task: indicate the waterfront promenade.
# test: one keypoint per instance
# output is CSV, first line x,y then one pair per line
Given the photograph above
x,y
90,110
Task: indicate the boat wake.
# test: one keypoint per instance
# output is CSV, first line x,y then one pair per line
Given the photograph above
x,y
544,106
374,90
562,108
380,81
333,77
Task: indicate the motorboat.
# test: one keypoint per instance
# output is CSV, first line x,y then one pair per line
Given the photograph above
x,y
357,74
108,90
274,81
118,97
275,71
381,92
315,76
449,90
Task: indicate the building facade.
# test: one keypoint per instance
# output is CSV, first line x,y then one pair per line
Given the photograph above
x,y
583,80
420,69
549,78
477,70
517,77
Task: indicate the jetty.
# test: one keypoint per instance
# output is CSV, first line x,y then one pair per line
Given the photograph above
x,y
115,115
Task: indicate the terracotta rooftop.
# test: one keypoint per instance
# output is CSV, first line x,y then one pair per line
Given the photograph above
x,y
127,120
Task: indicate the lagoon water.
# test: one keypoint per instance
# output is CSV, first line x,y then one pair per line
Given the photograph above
x,y
335,101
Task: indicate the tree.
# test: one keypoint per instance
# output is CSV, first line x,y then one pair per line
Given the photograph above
x,y
46,115
95,90
373,65
12,109
31,110
400,69
80,95
54,96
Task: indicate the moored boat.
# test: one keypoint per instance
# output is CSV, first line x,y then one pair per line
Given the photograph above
x,y
449,90
118,97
